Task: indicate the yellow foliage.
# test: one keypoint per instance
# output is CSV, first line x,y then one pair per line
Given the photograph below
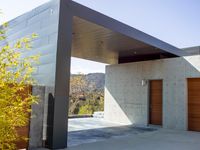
x,y
15,74
77,84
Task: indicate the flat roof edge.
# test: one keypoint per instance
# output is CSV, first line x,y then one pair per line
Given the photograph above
x,y
117,26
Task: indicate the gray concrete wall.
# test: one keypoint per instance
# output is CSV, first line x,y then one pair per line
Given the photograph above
x,y
126,100
37,118
193,50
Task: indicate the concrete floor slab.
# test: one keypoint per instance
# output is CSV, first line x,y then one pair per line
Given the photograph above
x,y
78,124
93,130
98,134
157,140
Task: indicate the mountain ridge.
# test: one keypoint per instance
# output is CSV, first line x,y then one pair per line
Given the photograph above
x,y
94,80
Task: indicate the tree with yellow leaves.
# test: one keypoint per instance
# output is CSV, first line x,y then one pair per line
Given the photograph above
x,y
15,75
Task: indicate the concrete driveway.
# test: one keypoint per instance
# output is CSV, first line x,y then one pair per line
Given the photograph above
x,y
160,139
89,130
98,134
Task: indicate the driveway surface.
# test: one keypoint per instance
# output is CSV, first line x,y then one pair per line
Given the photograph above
x,y
160,139
91,130
98,134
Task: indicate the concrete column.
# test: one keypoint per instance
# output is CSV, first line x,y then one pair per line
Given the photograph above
x,y
36,121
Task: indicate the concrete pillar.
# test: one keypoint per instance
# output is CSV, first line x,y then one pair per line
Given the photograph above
x,y
36,121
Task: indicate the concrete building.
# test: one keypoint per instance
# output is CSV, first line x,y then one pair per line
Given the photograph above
x,y
128,100
148,82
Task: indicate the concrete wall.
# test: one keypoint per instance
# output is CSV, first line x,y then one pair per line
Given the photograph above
x,y
37,118
126,100
193,50
38,121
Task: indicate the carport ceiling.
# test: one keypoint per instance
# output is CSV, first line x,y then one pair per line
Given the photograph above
x,y
100,38
94,42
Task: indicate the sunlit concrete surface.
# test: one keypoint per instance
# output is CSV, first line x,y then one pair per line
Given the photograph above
x,y
157,140
89,130
78,124
98,134
127,99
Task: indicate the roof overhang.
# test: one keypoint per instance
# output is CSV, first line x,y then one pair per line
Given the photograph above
x,y
100,38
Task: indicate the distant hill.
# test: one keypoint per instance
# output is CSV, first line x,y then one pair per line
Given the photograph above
x,y
98,79
94,80
86,93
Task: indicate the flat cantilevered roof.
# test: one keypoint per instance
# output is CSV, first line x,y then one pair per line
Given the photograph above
x,y
100,38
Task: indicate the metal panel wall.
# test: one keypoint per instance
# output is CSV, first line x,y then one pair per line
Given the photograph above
x,y
43,21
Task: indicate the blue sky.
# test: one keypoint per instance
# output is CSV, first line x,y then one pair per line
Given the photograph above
x,y
174,21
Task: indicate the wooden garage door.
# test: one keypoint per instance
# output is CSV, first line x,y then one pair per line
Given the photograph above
x,y
155,105
194,104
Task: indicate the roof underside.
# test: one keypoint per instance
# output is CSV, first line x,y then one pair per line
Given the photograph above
x,y
96,43
99,38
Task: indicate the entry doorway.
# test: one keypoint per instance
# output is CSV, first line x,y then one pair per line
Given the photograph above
x,y
155,102
194,104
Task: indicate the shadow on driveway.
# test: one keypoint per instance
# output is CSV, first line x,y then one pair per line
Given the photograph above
x,y
100,134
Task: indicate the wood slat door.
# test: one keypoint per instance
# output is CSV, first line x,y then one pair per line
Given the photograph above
x,y
194,104
155,104
24,131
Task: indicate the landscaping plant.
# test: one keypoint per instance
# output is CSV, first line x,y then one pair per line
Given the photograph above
x,y
15,76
